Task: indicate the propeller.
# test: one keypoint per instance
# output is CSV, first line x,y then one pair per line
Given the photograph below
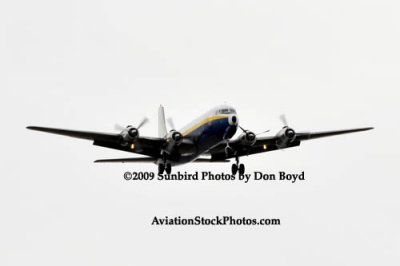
x,y
245,131
248,137
171,123
119,127
289,131
286,135
266,131
144,121
282,117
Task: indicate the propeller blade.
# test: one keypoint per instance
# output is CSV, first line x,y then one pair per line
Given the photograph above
x,y
244,130
262,132
144,121
171,123
282,117
118,127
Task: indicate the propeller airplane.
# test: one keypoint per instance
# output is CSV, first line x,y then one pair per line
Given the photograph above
x,y
209,135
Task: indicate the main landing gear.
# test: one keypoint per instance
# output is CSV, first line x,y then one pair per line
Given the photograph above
x,y
236,167
164,167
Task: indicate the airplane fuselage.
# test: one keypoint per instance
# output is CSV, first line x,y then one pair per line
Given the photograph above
x,y
215,126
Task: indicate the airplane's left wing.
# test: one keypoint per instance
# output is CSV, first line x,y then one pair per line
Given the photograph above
x,y
142,145
271,143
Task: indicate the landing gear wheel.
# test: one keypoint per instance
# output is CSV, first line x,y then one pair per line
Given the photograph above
x,y
168,168
234,169
241,169
161,168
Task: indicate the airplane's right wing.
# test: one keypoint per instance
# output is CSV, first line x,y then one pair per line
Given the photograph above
x,y
142,145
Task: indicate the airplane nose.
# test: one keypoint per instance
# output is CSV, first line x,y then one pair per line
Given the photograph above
x,y
233,120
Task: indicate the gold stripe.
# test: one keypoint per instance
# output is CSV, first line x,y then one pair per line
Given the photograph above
x,y
202,122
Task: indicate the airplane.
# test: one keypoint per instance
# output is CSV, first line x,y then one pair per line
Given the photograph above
x,y
209,135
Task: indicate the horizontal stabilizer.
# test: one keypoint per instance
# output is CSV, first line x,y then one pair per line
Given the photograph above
x,y
205,160
127,160
153,160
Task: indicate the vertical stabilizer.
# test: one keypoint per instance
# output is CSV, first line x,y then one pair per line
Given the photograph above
x,y
162,128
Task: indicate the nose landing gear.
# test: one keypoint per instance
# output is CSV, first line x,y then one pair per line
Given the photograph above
x,y
236,167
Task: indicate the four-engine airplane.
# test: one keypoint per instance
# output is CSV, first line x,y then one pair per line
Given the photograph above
x,y
210,134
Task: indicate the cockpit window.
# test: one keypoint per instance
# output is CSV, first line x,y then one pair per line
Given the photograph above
x,y
226,111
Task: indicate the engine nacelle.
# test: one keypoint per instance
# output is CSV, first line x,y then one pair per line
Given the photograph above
x,y
248,138
285,136
129,135
176,137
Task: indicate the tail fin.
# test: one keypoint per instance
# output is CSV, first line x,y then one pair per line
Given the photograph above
x,y
162,128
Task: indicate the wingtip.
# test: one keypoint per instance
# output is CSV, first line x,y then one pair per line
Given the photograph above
x,y
35,128
363,129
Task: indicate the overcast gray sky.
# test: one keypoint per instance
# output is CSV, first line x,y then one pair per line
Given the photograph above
x,y
89,64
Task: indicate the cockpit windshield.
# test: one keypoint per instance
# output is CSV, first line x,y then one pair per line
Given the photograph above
x,y
226,111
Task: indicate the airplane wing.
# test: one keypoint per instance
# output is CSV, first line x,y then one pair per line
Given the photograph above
x,y
266,144
315,135
142,145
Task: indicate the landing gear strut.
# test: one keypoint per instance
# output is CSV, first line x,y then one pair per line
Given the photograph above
x,y
236,167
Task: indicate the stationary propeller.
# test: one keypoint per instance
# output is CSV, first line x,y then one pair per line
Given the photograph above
x,y
130,133
248,137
